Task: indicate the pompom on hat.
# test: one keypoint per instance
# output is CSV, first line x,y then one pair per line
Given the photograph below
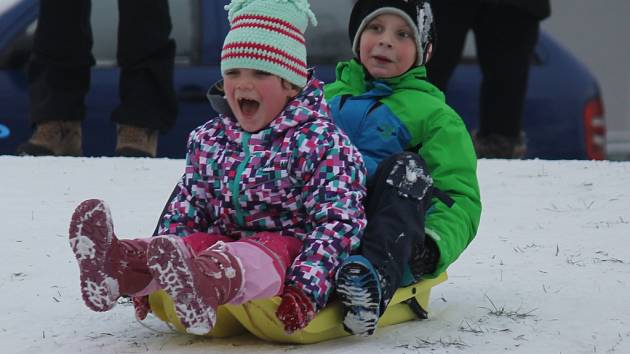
x,y
268,35
417,14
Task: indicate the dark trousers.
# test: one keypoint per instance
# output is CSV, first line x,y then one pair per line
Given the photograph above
x,y
505,37
59,71
395,210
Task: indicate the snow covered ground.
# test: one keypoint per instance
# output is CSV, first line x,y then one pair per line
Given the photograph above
x,y
549,271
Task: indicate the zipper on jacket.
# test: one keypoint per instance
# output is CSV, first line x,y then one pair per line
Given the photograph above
x,y
240,218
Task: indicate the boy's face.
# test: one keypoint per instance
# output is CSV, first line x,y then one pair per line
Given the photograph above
x,y
387,47
255,97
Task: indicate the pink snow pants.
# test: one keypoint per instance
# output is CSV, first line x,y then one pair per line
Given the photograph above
x,y
265,258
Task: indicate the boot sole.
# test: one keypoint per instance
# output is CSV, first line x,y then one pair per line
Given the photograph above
x,y
361,301
171,265
90,235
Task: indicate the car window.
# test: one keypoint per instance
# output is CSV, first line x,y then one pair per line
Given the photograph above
x,y
105,25
17,53
104,22
469,53
7,4
328,43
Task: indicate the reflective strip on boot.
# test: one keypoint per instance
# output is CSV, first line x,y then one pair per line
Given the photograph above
x,y
410,178
223,269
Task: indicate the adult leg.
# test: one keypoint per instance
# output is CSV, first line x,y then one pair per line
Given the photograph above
x,y
146,55
59,77
453,20
505,37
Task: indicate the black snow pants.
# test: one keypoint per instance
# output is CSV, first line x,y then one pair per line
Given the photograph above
x,y
399,194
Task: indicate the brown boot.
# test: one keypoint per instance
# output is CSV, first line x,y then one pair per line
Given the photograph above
x,y
58,138
134,141
495,146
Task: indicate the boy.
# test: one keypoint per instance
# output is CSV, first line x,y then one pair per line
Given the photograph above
x,y
271,200
423,205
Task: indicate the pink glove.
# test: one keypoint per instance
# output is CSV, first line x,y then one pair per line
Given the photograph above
x,y
296,309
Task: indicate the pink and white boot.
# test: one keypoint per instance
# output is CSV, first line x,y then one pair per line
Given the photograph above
x,y
196,284
108,267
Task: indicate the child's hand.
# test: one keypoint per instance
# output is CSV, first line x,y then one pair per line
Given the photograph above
x,y
296,309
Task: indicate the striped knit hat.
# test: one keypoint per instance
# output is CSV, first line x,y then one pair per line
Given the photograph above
x,y
268,35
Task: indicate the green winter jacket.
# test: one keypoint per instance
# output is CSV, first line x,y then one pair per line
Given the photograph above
x,y
412,114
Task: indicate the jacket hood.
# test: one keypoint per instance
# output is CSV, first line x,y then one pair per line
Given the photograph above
x,y
353,79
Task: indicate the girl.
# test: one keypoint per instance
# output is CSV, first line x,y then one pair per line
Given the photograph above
x,y
271,200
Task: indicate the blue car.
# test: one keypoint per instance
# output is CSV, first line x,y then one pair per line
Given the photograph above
x,y
563,116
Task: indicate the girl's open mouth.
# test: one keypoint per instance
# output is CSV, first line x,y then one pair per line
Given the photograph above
x,y
248,106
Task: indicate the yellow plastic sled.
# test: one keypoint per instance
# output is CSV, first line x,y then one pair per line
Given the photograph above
x,y
259,317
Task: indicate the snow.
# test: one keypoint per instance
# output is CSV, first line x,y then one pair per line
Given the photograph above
x,y
549,271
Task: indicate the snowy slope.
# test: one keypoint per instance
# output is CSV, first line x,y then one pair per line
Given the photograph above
x,y
549,271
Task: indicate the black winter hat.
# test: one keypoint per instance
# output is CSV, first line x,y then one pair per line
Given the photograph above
x,y
417,13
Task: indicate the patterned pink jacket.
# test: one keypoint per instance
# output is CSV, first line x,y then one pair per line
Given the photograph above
x,y
300,177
